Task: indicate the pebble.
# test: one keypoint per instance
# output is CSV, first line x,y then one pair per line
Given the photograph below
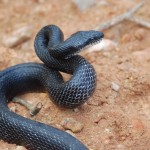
x,y
105,44
84,4
107,130
12,107
126,38
76,110
99,117
115,86
41,11
139,34
123,138
71,124
41,1
120,146
20,148
93,102
107,142
103,2
142,55
18,36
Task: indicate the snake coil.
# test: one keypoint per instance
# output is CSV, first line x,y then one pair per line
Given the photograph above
x,y
57,55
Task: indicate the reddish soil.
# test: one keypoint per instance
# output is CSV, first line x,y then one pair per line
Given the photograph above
x,y
113,120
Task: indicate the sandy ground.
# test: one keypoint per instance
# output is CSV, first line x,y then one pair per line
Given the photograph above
x,y
113,119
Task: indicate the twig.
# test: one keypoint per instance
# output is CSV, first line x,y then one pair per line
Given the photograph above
x,y
120,18
140,22
36,109
33,109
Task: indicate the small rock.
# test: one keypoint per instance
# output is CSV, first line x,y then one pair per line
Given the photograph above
x,y
71,124
41,1
143,55
125,66
84,4
99,117
105,44
107,130
76,110
20,148
139,34
123,138
107,141
120,146
126,38
93,102
115,86
103,2
12,107
41,11
17,37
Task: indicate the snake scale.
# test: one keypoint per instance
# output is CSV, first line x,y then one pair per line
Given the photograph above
x,y
57,55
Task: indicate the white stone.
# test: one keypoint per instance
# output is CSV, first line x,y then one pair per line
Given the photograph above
x,y
18,36
115,86
20,148
105,44
84,4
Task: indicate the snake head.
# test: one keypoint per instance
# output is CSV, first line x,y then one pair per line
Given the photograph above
x,y
76,42
83,39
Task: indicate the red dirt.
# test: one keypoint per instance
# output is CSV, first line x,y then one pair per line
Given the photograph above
x,y
112,119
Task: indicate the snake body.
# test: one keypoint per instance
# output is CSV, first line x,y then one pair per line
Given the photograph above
x,y
57,55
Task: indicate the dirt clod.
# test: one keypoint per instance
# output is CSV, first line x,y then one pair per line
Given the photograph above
x,y
115,86
17,37
73,125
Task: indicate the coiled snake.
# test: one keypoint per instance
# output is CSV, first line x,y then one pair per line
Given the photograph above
x,y
57,55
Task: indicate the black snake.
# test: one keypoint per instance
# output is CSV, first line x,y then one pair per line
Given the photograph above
x,y
57,55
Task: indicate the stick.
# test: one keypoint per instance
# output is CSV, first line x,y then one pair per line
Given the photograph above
x,y
33,109
119,18
140,22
